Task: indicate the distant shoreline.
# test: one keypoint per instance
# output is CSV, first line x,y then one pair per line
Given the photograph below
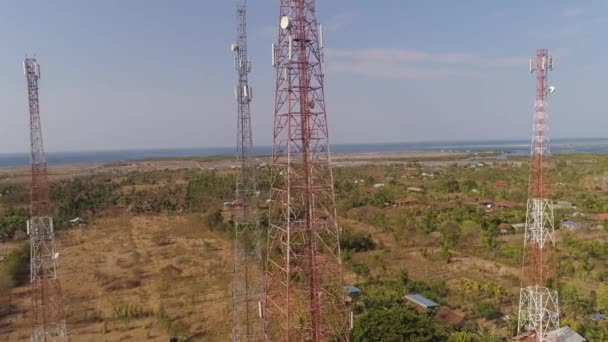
x,y
515,147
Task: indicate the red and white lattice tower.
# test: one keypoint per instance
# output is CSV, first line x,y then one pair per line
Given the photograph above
x,y
47,302
538,302
304,293
247,281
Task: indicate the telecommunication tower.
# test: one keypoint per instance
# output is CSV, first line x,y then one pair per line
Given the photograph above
x,y
305,300
247,282
49,319
538,302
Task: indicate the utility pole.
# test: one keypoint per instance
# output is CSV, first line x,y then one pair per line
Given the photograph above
x,y
248,276
305,297
49,319
538,302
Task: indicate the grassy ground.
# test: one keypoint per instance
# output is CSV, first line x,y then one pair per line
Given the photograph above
x,y
138,279
160,271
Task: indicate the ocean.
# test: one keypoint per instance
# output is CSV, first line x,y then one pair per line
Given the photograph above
x,y
599,145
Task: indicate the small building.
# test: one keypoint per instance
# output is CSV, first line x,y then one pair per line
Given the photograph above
x,y
570,225
352,292
599,316
19,235
505,228
78,221
598,217
506,204
596,227
420,303
378,185
565,334
415,189
564,205
400,202
519,227
449,317
500,183
487,203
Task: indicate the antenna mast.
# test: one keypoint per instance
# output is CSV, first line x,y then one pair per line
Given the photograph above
x,y
247,284
538,303
49,319
305,299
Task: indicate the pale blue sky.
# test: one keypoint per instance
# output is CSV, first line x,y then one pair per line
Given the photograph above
x,y
119,74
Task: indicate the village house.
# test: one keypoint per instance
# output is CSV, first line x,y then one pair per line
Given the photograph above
x,y
420,303
598,217
564,205
401,202
570,225
565,334
519,227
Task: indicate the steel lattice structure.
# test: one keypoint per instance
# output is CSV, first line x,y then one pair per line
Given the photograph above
x,y
49,319
538,302
304,293
247,284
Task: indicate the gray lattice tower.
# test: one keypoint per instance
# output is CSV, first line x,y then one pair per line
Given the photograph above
x,y
47,303
248,285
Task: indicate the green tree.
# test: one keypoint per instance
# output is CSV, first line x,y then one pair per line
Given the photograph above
x,y
395,323
490,236
450,233
15,268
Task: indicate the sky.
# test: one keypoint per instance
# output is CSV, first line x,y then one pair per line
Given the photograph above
x,y
136,74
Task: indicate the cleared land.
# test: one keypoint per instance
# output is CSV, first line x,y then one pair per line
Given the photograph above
x,y
155,258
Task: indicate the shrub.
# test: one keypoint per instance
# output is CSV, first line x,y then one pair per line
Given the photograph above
x,y
487,310
208,190
82,196
12,220
127,312
355,241
391,321
215,220
171,326
15,269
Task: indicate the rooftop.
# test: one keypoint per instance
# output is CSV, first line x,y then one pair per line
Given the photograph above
x,y
352,289
565,334
599,217
421,301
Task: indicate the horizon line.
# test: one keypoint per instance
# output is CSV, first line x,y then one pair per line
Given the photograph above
x,y
455,141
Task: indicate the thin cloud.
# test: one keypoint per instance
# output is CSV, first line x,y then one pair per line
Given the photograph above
x,y
572,12
339,21
414,64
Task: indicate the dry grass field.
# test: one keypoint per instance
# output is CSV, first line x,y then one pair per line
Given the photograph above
x,y
138,279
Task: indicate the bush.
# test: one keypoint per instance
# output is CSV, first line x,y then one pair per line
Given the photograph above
x,y
390,321
215,220
15,269
355,241
12,220
172,326
361,269
208,190
487,311
82,196
127,312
